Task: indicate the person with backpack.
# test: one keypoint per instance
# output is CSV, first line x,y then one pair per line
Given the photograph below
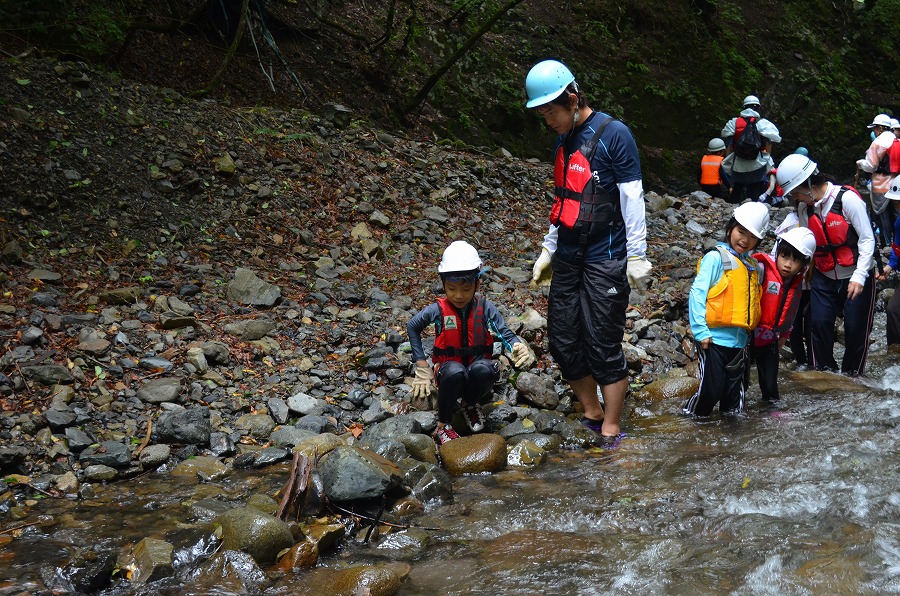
x,y
712,178
749,139
877,162
843,263
596,246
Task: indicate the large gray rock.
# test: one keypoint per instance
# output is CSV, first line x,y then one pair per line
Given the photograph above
x,y
538,390
109,453
306,404
157,391
48,374
189,426
247,288
350,473
250,330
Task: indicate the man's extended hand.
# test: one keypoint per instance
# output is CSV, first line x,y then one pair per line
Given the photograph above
x,y
541,273
638,271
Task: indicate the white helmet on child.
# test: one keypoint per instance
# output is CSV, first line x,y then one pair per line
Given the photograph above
x,y
794,170
460,257
753,216
894,190
802,239
751,100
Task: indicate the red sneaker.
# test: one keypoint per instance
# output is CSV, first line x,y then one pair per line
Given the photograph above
x,y
445,434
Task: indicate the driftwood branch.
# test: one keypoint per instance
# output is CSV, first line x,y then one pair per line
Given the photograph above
x,y
294,491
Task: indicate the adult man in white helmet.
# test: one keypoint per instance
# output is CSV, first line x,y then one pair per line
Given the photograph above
x,y
877,163
748,170
597,241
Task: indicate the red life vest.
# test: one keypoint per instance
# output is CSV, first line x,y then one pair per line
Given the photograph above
x,y
836,240
581,204
778,305
452,343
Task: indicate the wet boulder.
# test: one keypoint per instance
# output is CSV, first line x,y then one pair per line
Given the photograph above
x,y
525,454
538,390
152,560
374,580
670,388
350,473
258,534
474,454
301,555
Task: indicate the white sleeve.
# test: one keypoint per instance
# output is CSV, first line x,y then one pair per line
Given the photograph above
x,y
550,239
855,213
631,196
728,129
768,130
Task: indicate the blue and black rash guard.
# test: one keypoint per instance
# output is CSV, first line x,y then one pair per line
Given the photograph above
x,y
615,161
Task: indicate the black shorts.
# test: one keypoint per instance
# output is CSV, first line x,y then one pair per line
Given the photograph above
x,y
586,319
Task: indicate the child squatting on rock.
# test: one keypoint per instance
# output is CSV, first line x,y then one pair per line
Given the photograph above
x,y
779,302
723,308
463,345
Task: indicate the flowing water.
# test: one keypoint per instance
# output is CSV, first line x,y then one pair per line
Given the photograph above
x,y
803,498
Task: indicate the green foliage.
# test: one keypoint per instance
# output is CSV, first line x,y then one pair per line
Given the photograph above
x,y
90,29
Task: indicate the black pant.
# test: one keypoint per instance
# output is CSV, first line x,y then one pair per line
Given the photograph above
x,y
893,318
748,190
471,383
800,333
766,358
722,374
828,298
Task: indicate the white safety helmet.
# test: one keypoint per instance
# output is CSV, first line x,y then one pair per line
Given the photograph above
x,y
546,81
894,190
802,239
460,258
880,120
794,170
751,100
716,144
895,124
753,216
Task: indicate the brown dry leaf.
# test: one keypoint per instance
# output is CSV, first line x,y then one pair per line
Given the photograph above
x,y
355,429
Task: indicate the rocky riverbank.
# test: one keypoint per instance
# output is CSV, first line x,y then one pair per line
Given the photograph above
x,y
193,289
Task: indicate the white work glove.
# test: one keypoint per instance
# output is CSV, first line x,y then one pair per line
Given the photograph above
x,y
638,271
542,272
522,356
764,198
421,385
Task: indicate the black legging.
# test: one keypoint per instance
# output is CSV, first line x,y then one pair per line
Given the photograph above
x,y
766,358
472,384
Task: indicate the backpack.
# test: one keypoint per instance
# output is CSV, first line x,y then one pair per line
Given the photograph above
x,y
747,140
894,157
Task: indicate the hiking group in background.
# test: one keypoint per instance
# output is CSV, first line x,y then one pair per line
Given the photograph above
x,y
823,268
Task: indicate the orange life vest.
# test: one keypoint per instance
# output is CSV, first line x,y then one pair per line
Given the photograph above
x,y
836,240
734,300
709,169
462,336
777,304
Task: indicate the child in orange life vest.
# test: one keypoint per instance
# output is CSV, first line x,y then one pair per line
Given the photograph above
x,y
463,345
723,308
779,301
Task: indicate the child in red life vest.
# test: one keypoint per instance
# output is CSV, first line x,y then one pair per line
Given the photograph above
x,y
463,346
779,301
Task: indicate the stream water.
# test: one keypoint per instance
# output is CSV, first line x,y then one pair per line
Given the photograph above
x,y
803,498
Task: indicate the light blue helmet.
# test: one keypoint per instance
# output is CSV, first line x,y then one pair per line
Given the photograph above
x,y
546,81
802,151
